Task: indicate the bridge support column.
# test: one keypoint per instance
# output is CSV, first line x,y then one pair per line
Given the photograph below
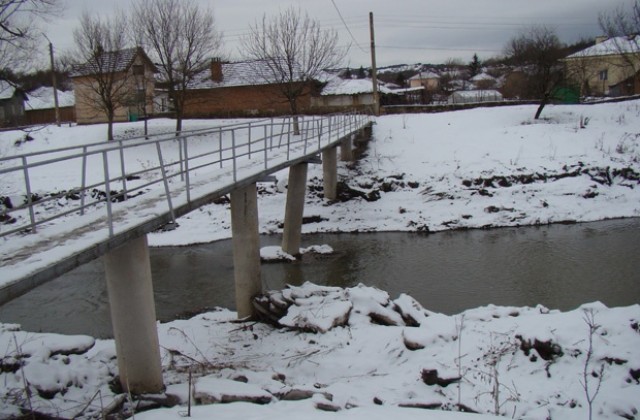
x,y
294,209
330,173
133,315
346,150
246,248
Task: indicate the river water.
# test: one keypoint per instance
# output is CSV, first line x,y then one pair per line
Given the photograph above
x,y
558,266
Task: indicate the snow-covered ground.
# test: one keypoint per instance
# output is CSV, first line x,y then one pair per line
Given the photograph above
x,y
476,168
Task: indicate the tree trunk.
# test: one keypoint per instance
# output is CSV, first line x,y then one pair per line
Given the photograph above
x,y
294,111
110,125
543,103
178,121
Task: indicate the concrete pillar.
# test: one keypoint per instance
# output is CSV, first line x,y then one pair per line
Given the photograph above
x,y
346,150
246,248
294,209
330,173
133,315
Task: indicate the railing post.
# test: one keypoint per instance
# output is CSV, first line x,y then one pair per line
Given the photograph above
x,y
180,158
107,188
186,170
166,181
122,171
84,179
288,131
266,154
27,182
271,136
233,153
249,142
220,145
288,145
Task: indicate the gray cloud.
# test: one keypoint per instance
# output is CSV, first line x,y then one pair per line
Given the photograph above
x,y
407,31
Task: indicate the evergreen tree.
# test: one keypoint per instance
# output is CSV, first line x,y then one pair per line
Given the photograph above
x,y
361,73
347,74
474,66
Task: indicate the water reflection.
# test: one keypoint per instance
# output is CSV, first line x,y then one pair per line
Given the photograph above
x,y
558,266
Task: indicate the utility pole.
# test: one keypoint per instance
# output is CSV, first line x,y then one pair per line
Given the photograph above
x,y
374,71
54,82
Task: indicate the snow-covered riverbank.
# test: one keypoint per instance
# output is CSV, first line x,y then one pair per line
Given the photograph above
x,y
352,351
468,169
477,168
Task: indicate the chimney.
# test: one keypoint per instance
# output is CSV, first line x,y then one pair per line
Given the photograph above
x,y
216,70
601,38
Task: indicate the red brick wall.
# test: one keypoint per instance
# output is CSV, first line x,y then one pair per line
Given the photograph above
x,y
241,101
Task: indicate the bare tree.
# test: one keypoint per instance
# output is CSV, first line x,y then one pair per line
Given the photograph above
x,y
101,83
622,27
16,17
538,49
18,31
181,37
621,22
291,50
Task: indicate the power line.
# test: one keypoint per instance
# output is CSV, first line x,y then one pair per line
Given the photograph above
x,y
347,27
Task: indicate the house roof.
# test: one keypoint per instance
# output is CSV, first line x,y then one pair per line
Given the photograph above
x,y
616,45
338,86
6,90
243,73
482,76
42,98
425,75
110,61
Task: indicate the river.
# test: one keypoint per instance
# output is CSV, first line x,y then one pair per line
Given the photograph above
x,y
558,266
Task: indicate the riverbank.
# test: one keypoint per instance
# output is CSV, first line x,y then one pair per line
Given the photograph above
x,y
469,169
352,353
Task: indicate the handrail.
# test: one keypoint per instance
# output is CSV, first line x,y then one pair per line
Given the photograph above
x,y
111,172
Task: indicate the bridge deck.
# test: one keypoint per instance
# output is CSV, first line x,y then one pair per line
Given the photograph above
x,y
28,260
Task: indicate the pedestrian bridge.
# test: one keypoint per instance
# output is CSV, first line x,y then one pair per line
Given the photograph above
x,y
118,191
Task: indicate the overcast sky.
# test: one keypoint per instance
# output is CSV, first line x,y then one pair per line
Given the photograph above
x,y
406,31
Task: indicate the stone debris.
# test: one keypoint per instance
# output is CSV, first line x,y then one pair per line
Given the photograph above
x,y
315,308
210,390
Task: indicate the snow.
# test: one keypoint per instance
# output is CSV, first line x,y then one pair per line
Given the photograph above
x,y
611,46
359,368
6,90
481,77
358,350
425,75
339,86
43,98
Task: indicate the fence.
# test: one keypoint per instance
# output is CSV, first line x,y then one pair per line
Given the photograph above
x,y
108,173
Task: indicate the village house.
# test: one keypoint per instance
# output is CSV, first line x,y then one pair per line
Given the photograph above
x,y
348,94
608,68
40,106
133,77
483,81
428,79
11,105
241,89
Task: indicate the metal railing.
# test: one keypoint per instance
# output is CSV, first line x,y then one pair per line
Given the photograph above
x,y
109,173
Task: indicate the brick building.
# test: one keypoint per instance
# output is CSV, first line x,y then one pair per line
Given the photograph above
x,y
238,90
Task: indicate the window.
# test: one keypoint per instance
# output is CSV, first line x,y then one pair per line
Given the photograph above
x,y
141,96
138,70
604,74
